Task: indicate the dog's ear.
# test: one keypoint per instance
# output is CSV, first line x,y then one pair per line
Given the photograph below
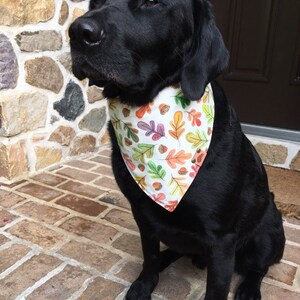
x,y
208,56
95,3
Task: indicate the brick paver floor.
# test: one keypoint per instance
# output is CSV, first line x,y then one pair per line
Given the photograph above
x,y
68,233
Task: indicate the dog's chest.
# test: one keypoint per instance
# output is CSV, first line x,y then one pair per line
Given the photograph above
x,y
164,143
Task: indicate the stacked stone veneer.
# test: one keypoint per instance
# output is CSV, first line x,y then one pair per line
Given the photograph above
x,y
46,114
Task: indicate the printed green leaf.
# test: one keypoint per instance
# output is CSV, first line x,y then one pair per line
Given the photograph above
x,y
197,139
120,139
182,100
157,172
209,113
131,132
116,122
143,150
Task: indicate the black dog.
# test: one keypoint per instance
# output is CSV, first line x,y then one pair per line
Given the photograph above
x,y
227,220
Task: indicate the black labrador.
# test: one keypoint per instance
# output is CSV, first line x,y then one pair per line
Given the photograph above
x,y
227,220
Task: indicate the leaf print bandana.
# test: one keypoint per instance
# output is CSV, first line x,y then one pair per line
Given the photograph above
x,y
165,142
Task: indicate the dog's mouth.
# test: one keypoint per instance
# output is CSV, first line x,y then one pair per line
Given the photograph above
x,y
84,70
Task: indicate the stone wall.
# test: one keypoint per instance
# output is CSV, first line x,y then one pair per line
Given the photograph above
x,y
277,153
46,114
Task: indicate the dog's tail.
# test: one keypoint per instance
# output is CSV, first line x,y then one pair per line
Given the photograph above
x,y
167,257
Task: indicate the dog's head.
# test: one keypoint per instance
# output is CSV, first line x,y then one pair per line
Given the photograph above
x,y
134,48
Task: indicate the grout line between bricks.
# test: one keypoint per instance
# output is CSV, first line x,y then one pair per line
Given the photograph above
x,y
41,281
12,223
290,225
280,284
20,262
290,263
296,282
288,242
121,296
84,286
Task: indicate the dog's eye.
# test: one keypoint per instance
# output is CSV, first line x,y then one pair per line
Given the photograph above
x,y
150,3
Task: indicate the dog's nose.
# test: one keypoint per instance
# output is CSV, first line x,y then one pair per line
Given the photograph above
x,y
86,31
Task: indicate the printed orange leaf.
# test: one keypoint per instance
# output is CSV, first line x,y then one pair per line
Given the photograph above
x,y
129,162
194,117
171,205
177,125
159,198
143,110
174,158
205,97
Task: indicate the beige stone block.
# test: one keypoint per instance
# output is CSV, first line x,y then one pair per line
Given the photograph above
x,y
42,40
63,135
105,139
22,113
94,94
64,13
38,137
43,72
46,157
21,12
83,144
295,164
13,160
272,154
66,60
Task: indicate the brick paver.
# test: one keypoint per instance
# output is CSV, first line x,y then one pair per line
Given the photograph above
x,y
61,286
102,289
81,205
121,218
42,213
11,255
39,191
130,244
6,217
81,189
91,255
91,230
9,199
3,239
68,233
81,164
77,174
49,179
36,233
24,277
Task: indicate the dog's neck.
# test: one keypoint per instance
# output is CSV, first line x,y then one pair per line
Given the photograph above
x,y
139,98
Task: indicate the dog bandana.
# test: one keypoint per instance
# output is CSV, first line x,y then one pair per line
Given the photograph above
x,y
164,143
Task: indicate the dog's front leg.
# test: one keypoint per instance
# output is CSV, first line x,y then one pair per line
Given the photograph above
x,y
220,268
142,288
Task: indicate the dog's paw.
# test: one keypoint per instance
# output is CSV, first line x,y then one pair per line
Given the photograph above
x,y
247,292
139,290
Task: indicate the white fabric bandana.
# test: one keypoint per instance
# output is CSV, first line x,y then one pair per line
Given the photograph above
x,y
164,143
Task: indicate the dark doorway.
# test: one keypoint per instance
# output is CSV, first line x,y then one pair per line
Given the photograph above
x,y
263,80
